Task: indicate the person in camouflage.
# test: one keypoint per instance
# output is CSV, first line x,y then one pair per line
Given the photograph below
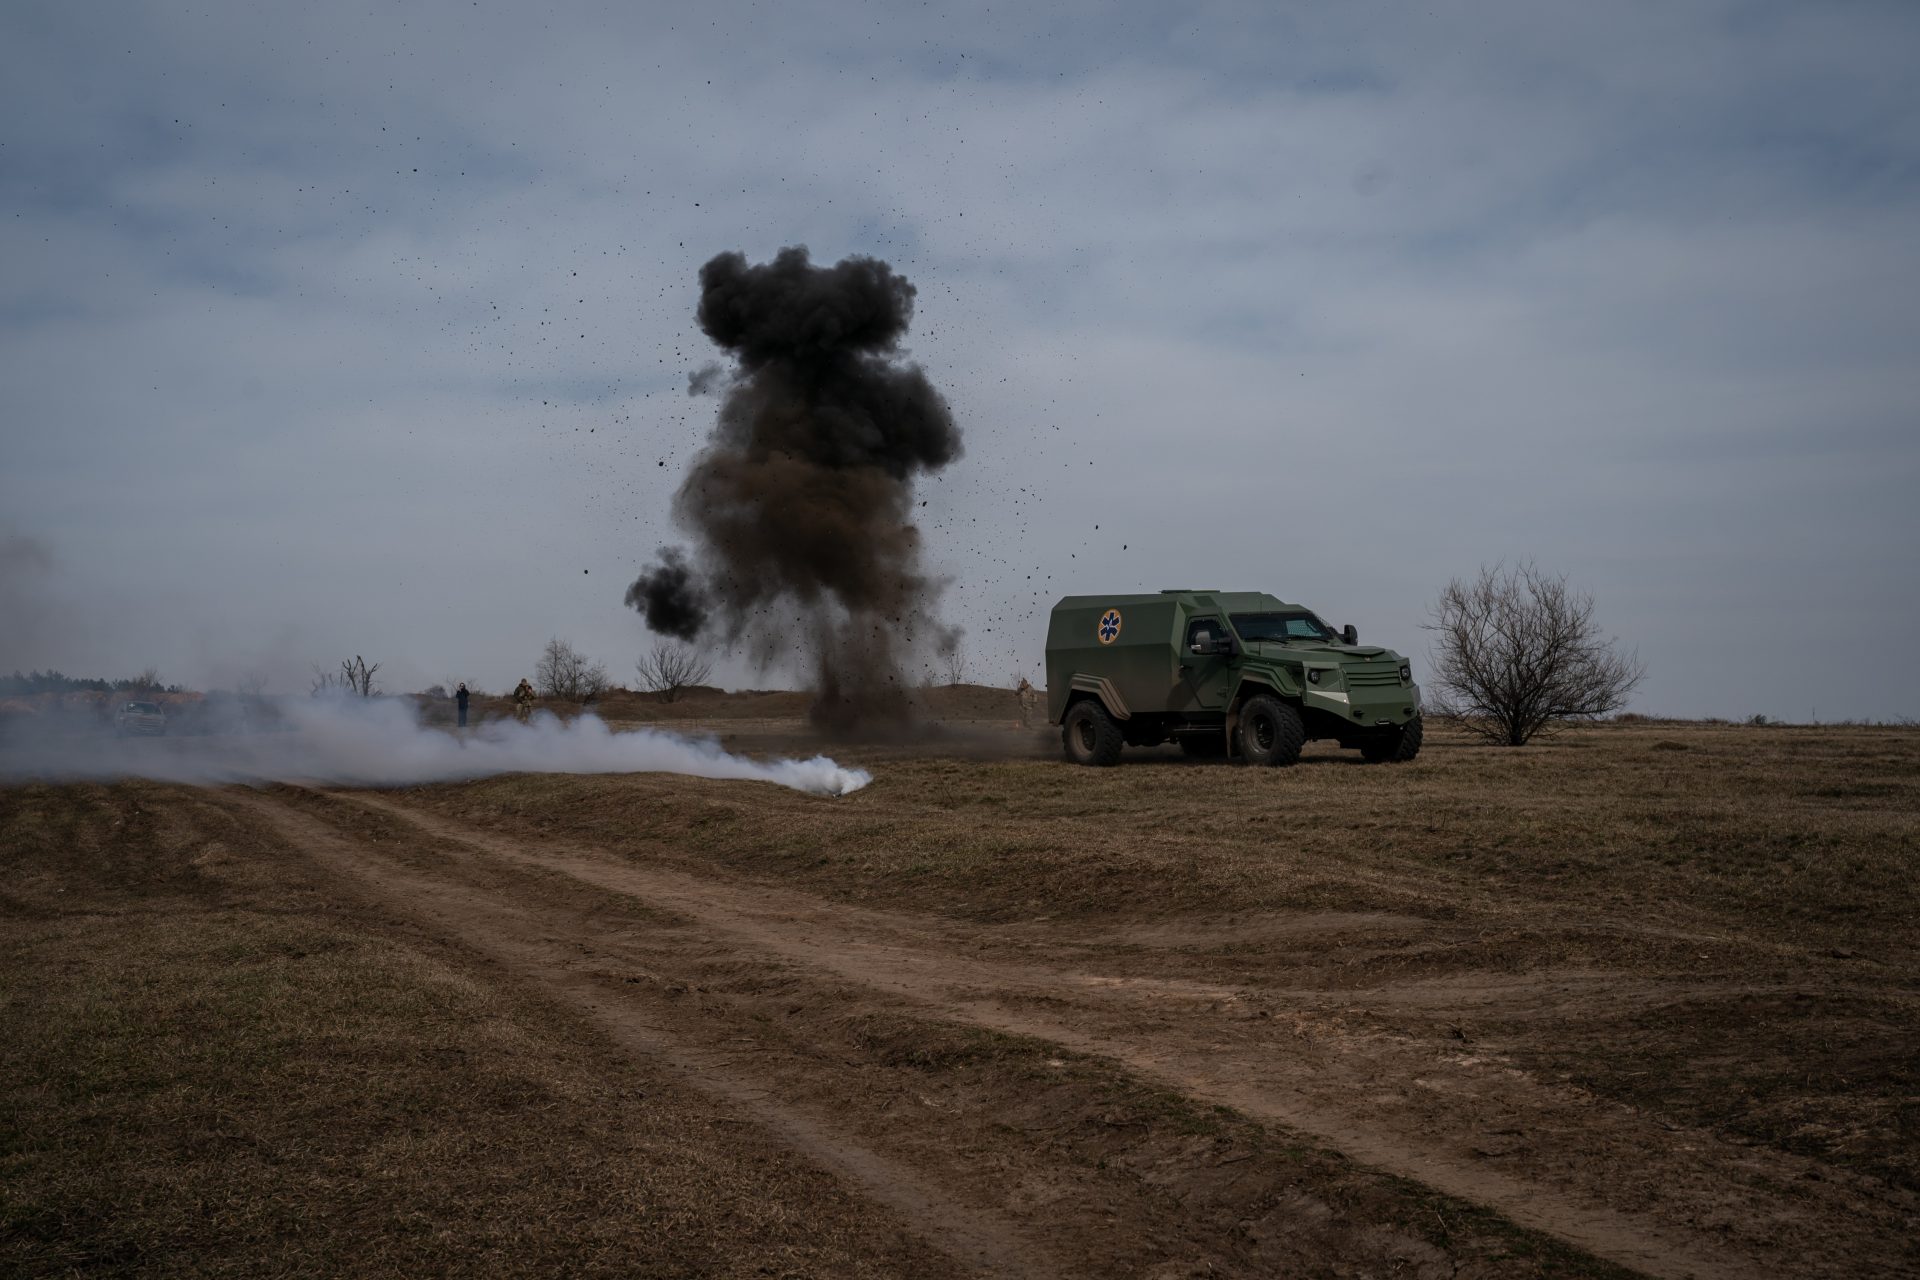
x,y
1029,698
522,701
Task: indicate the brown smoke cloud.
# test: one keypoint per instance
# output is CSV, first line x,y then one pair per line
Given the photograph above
x,y
799,507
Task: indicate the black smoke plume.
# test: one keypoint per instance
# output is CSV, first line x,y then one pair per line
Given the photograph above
x,y
799,507
669,597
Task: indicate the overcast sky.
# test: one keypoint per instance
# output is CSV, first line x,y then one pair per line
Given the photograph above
x,y
328,330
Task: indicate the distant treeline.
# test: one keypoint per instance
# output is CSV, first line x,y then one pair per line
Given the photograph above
x,y
20,686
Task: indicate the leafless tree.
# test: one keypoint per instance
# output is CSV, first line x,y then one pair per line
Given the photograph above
x,y
671,667
565,673
953,662
326,684
1517,651
357,677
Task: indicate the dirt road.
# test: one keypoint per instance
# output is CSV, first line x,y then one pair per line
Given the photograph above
x,y
1046,1099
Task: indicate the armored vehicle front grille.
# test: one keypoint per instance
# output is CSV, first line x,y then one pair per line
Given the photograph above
x,y
1372,677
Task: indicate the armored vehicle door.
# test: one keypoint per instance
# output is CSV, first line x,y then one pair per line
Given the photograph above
x,y
1206,665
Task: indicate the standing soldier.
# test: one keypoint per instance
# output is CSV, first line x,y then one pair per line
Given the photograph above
x,y
1029,698
460,697
522,700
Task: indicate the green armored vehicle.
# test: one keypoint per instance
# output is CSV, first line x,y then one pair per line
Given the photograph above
x,y
1222,673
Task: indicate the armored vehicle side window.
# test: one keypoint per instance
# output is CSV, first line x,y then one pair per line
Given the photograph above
x,y
1280,626
1203,629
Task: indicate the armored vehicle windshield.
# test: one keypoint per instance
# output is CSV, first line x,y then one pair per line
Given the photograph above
x,y
1302,625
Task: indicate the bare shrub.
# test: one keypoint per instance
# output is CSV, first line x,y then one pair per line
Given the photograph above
x,y
357,677
953,662
353,677
1517,651
671,668
565,673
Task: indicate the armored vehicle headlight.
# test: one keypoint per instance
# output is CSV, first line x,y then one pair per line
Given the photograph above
x,y
1327,676
1313,675
1406,671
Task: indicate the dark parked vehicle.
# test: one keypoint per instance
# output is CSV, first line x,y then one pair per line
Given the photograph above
x,y
1223,673
141,718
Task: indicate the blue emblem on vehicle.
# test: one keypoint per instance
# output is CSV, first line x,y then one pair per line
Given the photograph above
x,y
1109,626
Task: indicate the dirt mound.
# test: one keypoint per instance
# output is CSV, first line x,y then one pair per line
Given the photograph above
x,y
702,703
972,702
946,702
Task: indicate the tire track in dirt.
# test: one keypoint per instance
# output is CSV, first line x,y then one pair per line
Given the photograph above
x,y
1712,1199
520,942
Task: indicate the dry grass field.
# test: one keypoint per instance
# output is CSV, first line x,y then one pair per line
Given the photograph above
x,y
1637,999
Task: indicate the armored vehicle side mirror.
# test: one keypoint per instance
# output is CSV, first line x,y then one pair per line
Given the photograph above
x,y
1349,635
1208,645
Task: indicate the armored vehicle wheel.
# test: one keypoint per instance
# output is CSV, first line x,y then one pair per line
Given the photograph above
x,y
1396,746
1090,735
1271,731
1203,746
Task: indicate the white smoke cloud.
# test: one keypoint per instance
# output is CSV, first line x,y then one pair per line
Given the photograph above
x,y
381,743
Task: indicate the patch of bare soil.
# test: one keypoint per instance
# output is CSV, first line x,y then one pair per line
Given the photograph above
x,y
216,1064
515,931
1014,1153
1389,1104
1457,1116
1600,1007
